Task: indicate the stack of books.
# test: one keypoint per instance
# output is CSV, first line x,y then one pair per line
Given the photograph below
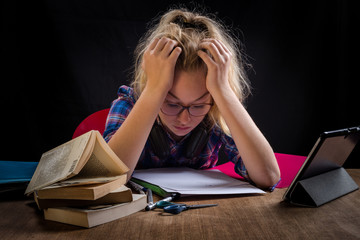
x,y
82,182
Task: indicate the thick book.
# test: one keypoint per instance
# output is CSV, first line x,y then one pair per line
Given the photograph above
x,y
82,192
91,217
120,195
87,159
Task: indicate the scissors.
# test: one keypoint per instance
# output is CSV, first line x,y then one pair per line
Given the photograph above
x,y
178,208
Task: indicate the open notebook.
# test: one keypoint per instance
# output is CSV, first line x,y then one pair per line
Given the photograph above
x,y
187,181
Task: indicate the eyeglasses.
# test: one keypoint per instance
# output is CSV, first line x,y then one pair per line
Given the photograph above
x,y
196,110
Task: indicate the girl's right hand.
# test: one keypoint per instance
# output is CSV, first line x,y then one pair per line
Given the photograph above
x,y
159,62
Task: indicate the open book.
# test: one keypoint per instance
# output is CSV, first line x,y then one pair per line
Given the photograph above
x,y
86,159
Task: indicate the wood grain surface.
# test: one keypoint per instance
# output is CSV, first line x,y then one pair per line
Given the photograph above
x,y
236,217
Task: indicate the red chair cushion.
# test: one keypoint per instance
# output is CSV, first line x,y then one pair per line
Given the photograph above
x,y
95,121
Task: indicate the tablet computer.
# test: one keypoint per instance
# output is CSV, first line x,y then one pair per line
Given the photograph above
x,y
329,153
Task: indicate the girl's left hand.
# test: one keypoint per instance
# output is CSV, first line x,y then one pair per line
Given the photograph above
x,y
218,64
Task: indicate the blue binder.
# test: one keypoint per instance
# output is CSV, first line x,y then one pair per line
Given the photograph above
x,y
15,175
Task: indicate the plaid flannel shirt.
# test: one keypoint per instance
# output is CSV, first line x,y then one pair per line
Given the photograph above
x,y
208,158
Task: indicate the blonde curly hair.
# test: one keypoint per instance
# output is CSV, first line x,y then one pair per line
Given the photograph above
x,y
189,28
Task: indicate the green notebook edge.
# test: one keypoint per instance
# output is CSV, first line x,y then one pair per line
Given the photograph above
x,y
154,188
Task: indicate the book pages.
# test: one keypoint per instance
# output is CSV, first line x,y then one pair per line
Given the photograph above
x,y
58,164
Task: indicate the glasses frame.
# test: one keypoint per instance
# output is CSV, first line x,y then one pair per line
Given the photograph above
x,y
187,108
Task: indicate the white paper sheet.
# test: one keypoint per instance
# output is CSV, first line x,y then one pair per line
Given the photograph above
x,y
187,181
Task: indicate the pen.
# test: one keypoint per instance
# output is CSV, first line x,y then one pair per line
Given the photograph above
x,y
149,199
167,199
136,186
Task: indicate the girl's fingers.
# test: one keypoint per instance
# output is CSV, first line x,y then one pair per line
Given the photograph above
x,y
211,48
153,44
206,58
175,54
223,47
219,45
217,49
169,47
162,46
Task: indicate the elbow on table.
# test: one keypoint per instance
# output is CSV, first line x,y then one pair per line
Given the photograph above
x,y
269,181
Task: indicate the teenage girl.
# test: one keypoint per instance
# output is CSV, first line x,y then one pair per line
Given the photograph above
x,y
185,102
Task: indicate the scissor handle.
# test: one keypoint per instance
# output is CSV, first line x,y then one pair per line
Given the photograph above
x,y
175,209
162,204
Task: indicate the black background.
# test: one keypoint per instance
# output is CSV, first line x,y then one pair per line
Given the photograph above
x,y
63,60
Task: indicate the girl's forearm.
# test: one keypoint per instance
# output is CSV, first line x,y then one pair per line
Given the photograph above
x,y
129,140
253,147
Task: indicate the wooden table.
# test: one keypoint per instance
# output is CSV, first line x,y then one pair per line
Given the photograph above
x,y
236,217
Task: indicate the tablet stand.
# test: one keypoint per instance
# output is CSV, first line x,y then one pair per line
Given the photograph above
x,y
318,190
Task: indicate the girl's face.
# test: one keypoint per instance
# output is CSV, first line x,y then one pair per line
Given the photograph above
x,y
189,88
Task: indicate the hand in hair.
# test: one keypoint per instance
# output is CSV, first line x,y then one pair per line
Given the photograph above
x,y
218,64
159,63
